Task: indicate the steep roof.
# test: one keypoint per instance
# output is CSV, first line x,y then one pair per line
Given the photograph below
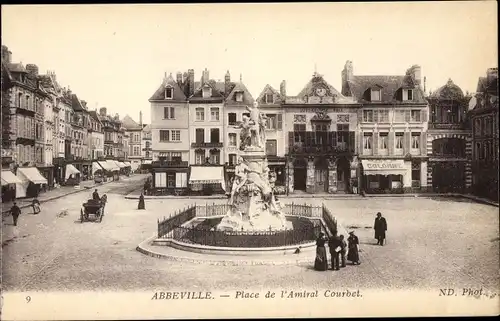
x,y
268,89
178,95
16,67
216,94
247,96
450,91
318,80
484,86
147,128
390,86
95,115
129,123
76,103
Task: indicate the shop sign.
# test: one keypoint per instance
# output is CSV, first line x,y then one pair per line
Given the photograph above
x,y
383,164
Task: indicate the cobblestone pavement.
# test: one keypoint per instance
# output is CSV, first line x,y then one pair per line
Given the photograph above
x,y
431,243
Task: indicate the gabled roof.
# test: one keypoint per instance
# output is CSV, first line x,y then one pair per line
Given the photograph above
x,y
76,103
95,115
220,86
147,128
390,85
129,123
217,95
268,89
484,86
247,96
169,81
316,81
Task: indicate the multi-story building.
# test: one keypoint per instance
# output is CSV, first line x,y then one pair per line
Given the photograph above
x,y
484,121
269,102
111,127
8,131
449,140
134,132
146,146
392,129
206,121
96,135
320,124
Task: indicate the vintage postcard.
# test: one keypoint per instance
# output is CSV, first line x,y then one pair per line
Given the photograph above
x,y
165,161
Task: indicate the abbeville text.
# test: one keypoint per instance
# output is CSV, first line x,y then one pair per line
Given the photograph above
x,y
173,295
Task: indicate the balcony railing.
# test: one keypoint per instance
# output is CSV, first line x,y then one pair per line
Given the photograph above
x,y
207,145
447,125
310,142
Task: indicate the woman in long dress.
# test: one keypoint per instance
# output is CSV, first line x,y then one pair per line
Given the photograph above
x,y
321,261
353,253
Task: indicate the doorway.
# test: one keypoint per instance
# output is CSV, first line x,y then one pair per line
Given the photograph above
x,y
300,175
321,175
343,175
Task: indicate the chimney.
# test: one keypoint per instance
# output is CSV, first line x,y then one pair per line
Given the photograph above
x,y
32,69
102,111
191,82
84,104
117,116
347,75
425,85
205,77
179,78
283,89
227,83
6,54
140,119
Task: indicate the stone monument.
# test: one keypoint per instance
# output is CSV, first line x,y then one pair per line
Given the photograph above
x,y
253,206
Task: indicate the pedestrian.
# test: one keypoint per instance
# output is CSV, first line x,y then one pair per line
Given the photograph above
x,y
15,211
343,250
355,186
95,195
142,205
353,250
380,226
334,247
35,204
321,261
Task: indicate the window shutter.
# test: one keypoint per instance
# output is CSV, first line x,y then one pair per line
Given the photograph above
x,y
423,144
405,94
291,140
375,116
407,116
165,112
423,115
375,143
172,112
406,142
279,124
352,142
334,139
391,142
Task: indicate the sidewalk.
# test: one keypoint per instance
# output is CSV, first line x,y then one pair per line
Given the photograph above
x,y
136,194
52,195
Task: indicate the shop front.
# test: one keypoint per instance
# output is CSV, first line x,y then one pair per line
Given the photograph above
x,y
207,179
31,182
48,173
387,176
277,173
72,175
9,181
170,178
113,169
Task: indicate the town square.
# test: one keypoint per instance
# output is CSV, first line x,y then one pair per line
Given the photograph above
x,y
228,161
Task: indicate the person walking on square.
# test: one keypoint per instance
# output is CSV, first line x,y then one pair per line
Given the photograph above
x,y
343,250
353,251
142,205
334,247
15,211
36,206
321,261
380,226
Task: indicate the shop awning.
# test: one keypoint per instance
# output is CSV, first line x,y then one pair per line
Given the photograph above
x,y
71,170
96,167
104,165
121,164
112,165
384,167
207,175
32,174
9,178
127,164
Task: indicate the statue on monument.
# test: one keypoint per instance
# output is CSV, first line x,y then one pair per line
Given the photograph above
x,y
240,177
255,126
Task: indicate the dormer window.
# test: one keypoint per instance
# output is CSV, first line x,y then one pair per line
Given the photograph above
x,y
268,98
207,92
169,93
375,95
239,96
407,94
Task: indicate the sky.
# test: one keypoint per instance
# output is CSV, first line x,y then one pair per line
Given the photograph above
x,y
115,56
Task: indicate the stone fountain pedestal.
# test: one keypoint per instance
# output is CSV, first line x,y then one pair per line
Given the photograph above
x,y
255,207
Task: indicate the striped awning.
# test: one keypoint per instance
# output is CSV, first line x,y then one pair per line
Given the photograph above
x,y
112,165
96,167
71,170
207,175
32,174
121,164
127,164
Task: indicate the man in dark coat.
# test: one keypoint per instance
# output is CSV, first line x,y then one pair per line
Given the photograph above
x,y
334,245
141,205
380,227
15,211
95,196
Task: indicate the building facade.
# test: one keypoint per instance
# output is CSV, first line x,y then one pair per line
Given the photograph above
x,y
320,124
146,145
134,132
449,140
392,130
96,135
484,121
270,102
206,122
111,126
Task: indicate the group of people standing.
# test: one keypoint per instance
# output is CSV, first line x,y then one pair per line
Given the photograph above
x,y
339,248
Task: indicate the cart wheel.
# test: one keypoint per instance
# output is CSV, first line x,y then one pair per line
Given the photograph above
x,y
81,216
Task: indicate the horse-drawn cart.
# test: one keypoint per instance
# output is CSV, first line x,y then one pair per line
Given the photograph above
x,y
93,208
